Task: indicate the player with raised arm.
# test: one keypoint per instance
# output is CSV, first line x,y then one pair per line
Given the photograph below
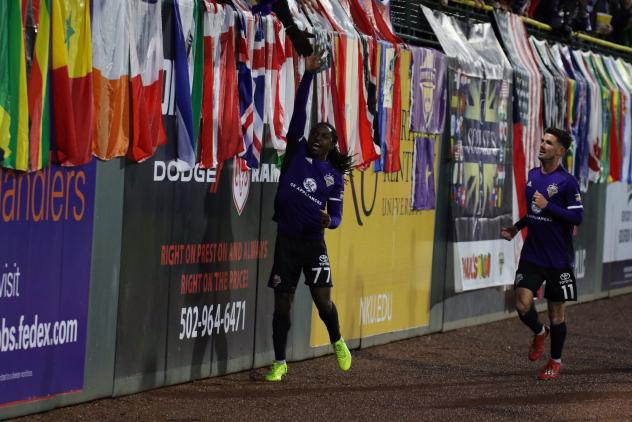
x,y
308,201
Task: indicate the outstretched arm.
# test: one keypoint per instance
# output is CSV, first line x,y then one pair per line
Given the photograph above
x,y
300,39
299,115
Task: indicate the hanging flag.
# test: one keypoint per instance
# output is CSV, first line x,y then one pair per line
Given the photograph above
x,y
13,94
147,76
429,90
73,107
221,134
184,11
196,68
423,185
110,58
275,59
252,86
38,87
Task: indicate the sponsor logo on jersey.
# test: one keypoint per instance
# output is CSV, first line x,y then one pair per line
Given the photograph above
x,y
578,197
324,260
241,186
535,208
309,184
552,189
565,276
529,183
329,179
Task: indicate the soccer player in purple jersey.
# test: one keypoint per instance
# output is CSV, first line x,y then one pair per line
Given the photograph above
x,y
554,209
308,201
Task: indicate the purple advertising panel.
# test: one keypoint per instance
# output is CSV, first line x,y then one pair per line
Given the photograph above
x,y
46,221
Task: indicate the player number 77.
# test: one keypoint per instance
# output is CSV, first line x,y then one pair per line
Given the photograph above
x,y
317,270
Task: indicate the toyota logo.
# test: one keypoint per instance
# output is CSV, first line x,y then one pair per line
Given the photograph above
x,y
565,276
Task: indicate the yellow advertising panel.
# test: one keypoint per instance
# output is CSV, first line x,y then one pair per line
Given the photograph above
x,y
381,255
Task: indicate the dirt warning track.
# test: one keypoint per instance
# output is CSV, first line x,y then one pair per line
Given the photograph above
x,y
478,373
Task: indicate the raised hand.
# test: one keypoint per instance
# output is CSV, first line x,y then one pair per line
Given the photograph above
x,y
312,63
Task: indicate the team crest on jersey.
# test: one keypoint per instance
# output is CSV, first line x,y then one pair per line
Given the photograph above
x,y
552,189
309,184
241,186
329,179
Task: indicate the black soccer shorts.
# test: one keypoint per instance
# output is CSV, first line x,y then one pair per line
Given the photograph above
x,y
293,255
560,283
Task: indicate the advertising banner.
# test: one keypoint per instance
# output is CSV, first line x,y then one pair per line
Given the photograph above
x,y
191,255
617,245
381,255
46,221
481,184
480,150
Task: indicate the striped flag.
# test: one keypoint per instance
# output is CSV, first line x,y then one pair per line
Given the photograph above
x,y
38,87
13,94
73,108
220,132
110,57
147,76
185,14
252,85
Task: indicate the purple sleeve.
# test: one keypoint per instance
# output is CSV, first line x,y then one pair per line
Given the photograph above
x,y
334,206
334,209
521,224
299,115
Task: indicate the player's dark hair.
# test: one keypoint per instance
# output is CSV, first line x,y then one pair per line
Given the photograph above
x,y
341,162
563,137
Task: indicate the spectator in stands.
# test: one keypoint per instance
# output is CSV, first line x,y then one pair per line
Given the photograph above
x,y
564,16
621,24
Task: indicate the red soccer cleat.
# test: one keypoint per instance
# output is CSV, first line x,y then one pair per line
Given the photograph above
x,y
551,371
537,347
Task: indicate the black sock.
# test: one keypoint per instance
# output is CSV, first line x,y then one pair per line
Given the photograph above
x,y
280,326
530,319
558,335
331,322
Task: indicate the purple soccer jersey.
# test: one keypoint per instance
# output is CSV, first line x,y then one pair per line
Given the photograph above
x,y
428,90
549,241
307,186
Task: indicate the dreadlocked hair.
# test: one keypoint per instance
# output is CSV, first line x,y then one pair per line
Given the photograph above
x,y
341,162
